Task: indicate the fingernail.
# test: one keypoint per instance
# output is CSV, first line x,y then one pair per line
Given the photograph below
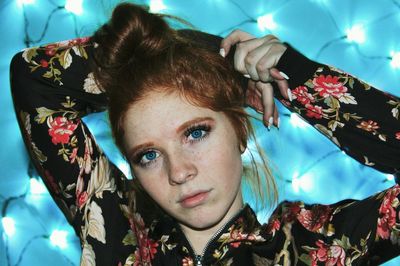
x,y
283,75
289,92
222,52
246,76
278,123
270,122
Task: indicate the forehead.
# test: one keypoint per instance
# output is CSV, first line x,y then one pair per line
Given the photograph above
x,y
160,113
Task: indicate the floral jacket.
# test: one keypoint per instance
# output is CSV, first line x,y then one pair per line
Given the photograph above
x,y
53,89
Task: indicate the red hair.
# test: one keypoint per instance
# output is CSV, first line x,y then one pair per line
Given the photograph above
x,y
139,53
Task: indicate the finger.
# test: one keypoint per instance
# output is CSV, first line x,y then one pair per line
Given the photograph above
x,y
253,97
233,38
271,53
282,82
241,53
254,57
268,102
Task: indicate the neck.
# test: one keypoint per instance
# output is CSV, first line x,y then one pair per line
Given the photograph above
x,y
199,238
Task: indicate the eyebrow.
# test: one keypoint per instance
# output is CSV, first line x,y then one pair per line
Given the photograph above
x,y
132,152
193,121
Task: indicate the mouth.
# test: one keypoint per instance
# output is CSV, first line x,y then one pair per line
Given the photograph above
x,y
194,199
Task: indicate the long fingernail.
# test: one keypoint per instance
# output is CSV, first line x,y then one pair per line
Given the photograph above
x,y
222,52
283,75
278,123
270,121
246,76
289,92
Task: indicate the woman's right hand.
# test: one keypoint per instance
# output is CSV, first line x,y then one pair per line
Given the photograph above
x,y
256,58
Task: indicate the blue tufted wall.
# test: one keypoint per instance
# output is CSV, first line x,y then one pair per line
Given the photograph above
x,y
315,27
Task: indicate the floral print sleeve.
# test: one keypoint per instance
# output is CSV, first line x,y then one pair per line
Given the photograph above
x,y
52,89
363,122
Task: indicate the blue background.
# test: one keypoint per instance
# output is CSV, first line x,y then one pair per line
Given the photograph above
x,y
322,173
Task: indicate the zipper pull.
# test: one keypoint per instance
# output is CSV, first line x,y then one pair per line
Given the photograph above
x,y
198,260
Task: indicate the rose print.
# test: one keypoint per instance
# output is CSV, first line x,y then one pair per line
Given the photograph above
x,y
315,219
329,86
387,213
331,255
302,95
314,111
61,129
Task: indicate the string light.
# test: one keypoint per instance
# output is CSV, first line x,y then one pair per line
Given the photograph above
x,y
356,34
25,2
395,59
8,226
389,177
266,22
156,6
59,238
74,6
37,187
297,121
303,182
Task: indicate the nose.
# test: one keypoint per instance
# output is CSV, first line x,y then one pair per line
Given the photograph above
x,y
181,167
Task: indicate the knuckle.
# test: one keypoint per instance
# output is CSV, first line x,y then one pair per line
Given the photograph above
x,y
261,66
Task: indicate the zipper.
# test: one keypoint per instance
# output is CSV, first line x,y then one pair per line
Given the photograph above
x,y
198,259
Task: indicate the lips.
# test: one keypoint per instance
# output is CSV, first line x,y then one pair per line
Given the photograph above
x,y
194,199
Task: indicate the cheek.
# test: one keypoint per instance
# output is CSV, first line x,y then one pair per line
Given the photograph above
x,y
155,186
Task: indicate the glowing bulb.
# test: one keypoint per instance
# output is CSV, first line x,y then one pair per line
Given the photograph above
x,y
395,62
8,225
356,34
297,121
389,177
25,2
59,238
266,22
303,183
37,187
156,6
74,6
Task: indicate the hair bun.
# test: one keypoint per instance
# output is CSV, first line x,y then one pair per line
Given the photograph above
x,y
131,34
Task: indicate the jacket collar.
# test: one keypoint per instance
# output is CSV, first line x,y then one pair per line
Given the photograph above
x,y
235,238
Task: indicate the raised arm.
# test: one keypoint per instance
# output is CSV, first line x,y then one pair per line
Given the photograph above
x,y
361,120
52,89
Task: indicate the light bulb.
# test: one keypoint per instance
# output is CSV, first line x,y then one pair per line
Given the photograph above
x,y
37,187
8,225
303,183
389,177
395,62
356,34
25,2
297,121
59,238
156,6
74,6
266,22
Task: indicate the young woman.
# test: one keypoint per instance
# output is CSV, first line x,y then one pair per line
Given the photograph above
x,y
176,112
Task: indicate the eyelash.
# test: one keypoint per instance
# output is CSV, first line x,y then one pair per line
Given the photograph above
x,y
203,127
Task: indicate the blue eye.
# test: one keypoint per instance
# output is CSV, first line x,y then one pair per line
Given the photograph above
x,y
149,157
198,133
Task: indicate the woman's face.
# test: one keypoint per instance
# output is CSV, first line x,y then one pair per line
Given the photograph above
x,y
186,157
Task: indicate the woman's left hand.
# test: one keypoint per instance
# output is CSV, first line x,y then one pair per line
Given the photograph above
x,y
256,58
